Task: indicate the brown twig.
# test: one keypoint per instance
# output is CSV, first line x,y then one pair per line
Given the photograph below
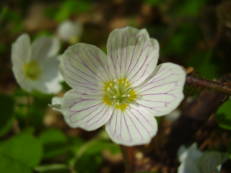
x,y
224,87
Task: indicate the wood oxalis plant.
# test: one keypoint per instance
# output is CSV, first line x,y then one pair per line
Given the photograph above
x,y
124,89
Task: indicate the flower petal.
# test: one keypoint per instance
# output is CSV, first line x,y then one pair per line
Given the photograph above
x,y
20,54
163,92
44,47
133,54
192,153
211,161
56,103
51,76
84,111
84,67
188,166
70,31
135,126
21,50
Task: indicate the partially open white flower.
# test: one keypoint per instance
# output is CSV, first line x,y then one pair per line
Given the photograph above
x,y
35,65
123,90
70,31
56,103
194,161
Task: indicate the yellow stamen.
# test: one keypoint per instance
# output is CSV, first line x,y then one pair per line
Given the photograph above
x,y
32,70
119,93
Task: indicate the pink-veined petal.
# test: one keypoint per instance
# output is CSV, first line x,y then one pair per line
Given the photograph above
x,y
84,111
163,92
135,126
84,67
132,53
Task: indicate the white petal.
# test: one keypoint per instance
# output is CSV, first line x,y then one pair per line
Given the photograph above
x,y
70,31
192,153
51,77
45,47
56,103
133,54
210,161
20,54
163,92
135,126
84,111
188,166
83,67
21,50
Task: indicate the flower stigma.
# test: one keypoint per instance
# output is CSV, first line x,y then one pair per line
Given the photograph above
x,y
119,93
32,70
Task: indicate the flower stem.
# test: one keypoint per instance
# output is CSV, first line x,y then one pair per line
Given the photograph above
x,y
129,158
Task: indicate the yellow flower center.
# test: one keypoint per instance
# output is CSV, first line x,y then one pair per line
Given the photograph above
x,y
119,93
32,70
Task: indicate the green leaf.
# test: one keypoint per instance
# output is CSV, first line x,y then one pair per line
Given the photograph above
x,y
24,150
7,105
55,143
153,2
9,165
223,115
53,136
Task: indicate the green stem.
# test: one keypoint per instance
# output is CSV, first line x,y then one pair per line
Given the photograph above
x,y
51,167
84,148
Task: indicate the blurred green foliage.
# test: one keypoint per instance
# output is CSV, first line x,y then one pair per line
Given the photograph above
x,y
20,153
69,8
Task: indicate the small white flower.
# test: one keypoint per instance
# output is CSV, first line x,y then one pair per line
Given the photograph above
x,y
35,66
123,90
56,103
194,161
70,31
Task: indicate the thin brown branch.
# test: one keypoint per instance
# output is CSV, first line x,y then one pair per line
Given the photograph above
x,y
224,87
129,158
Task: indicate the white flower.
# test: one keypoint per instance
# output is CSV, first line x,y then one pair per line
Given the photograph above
x,y
35,65
56,103
70,31
123,90
194,161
